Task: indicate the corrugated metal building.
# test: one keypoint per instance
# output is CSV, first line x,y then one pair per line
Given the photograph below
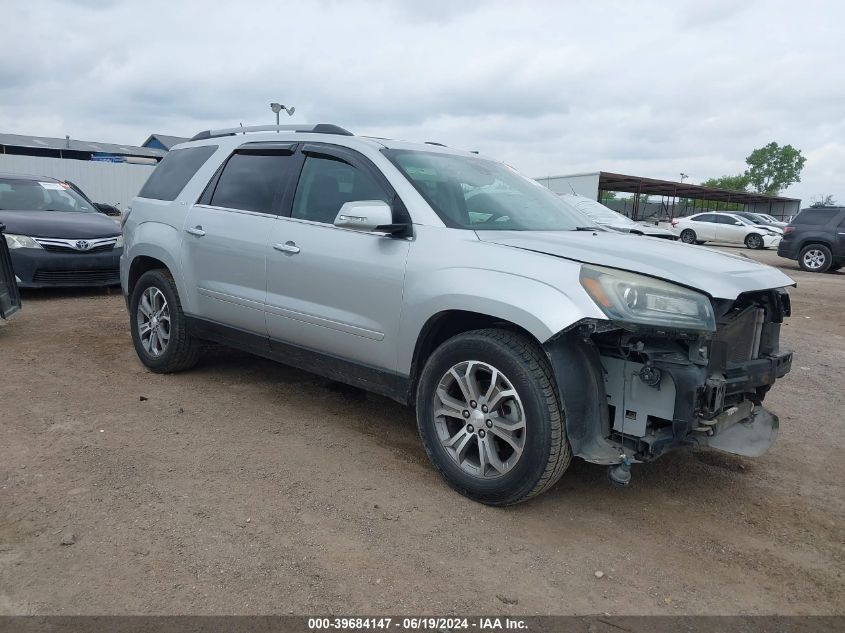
x,y
106,172
163,141
675,198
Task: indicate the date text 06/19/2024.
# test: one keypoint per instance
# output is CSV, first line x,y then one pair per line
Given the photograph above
x,y
417,623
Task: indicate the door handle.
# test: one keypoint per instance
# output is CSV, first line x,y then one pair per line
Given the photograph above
x,y
287,247
197,230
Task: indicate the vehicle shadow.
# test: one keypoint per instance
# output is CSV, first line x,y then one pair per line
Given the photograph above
x,y
679,475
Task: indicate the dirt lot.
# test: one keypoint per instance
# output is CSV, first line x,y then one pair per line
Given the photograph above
x,y
247,487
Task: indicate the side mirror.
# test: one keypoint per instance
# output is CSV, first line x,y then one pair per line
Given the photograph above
x,y
367,215
108,209
737,223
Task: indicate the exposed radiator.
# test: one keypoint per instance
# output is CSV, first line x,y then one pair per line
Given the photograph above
x,y
741,335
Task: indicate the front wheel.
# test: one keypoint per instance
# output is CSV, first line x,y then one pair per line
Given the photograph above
x,y
489,416
159,329
754,241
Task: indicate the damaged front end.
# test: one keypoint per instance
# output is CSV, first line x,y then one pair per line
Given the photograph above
x,y
659,388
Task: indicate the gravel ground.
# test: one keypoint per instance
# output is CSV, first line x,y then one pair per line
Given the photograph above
x,y
244,486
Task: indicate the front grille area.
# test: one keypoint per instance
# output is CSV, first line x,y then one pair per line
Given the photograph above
x,y
741,335
68,249
107,276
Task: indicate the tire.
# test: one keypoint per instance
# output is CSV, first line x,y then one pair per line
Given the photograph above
x,y
688,236
508,476
754,240
180,350
815,258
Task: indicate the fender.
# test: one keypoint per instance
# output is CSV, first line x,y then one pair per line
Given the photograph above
x,y
537,307
159,241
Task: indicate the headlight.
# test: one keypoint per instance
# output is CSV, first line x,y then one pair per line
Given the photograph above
x,y
119,242
632,298
21,241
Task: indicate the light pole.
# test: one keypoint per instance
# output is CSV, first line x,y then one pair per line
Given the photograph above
x,y
278,107
683,175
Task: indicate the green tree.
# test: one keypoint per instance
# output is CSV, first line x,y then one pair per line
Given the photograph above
x,y
607,196
823,201
739,182
772,168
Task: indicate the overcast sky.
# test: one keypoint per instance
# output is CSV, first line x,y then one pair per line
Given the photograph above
x,y
644,88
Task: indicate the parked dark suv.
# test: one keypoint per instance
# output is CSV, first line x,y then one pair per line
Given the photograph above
x,y
816,238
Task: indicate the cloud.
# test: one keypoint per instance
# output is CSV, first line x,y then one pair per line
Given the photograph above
x,y
648,88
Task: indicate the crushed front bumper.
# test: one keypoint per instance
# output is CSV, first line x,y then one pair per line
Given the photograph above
x,y
643,392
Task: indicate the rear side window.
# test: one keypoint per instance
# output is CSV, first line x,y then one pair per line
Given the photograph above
x,y
816,217
250,181
707,217
174,172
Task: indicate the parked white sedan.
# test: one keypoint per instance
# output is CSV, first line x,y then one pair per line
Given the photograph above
x,y
724,227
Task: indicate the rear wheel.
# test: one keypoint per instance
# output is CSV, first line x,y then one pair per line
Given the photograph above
x,y
688,236
754,241
159,329
489,416
815,258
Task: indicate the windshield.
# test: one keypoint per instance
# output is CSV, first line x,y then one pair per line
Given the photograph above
x,y
753,218
597,211
474,193
34,195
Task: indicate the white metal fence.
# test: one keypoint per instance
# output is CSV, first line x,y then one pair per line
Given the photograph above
x,y
112,183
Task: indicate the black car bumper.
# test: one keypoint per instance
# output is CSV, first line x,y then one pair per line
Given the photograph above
x,y
40,268
788,249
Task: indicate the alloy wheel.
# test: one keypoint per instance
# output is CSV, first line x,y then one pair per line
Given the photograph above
x,y
814,259
479,419
153,321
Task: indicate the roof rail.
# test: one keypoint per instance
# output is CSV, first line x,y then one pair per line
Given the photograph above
x,y
319,128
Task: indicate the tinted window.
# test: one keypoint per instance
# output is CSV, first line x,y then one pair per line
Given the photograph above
x,y
815,216
174,172
707,217
327,184
250,181
724,219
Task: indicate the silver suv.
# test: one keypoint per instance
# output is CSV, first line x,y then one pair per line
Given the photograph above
x,y
522,332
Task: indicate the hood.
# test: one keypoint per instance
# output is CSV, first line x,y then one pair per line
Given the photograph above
x,y
720,275
64,224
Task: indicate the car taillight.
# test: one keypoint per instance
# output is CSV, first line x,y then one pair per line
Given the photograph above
x,y
674,221
788,229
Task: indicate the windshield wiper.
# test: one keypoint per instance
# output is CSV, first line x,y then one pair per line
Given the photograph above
x,y
587,228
